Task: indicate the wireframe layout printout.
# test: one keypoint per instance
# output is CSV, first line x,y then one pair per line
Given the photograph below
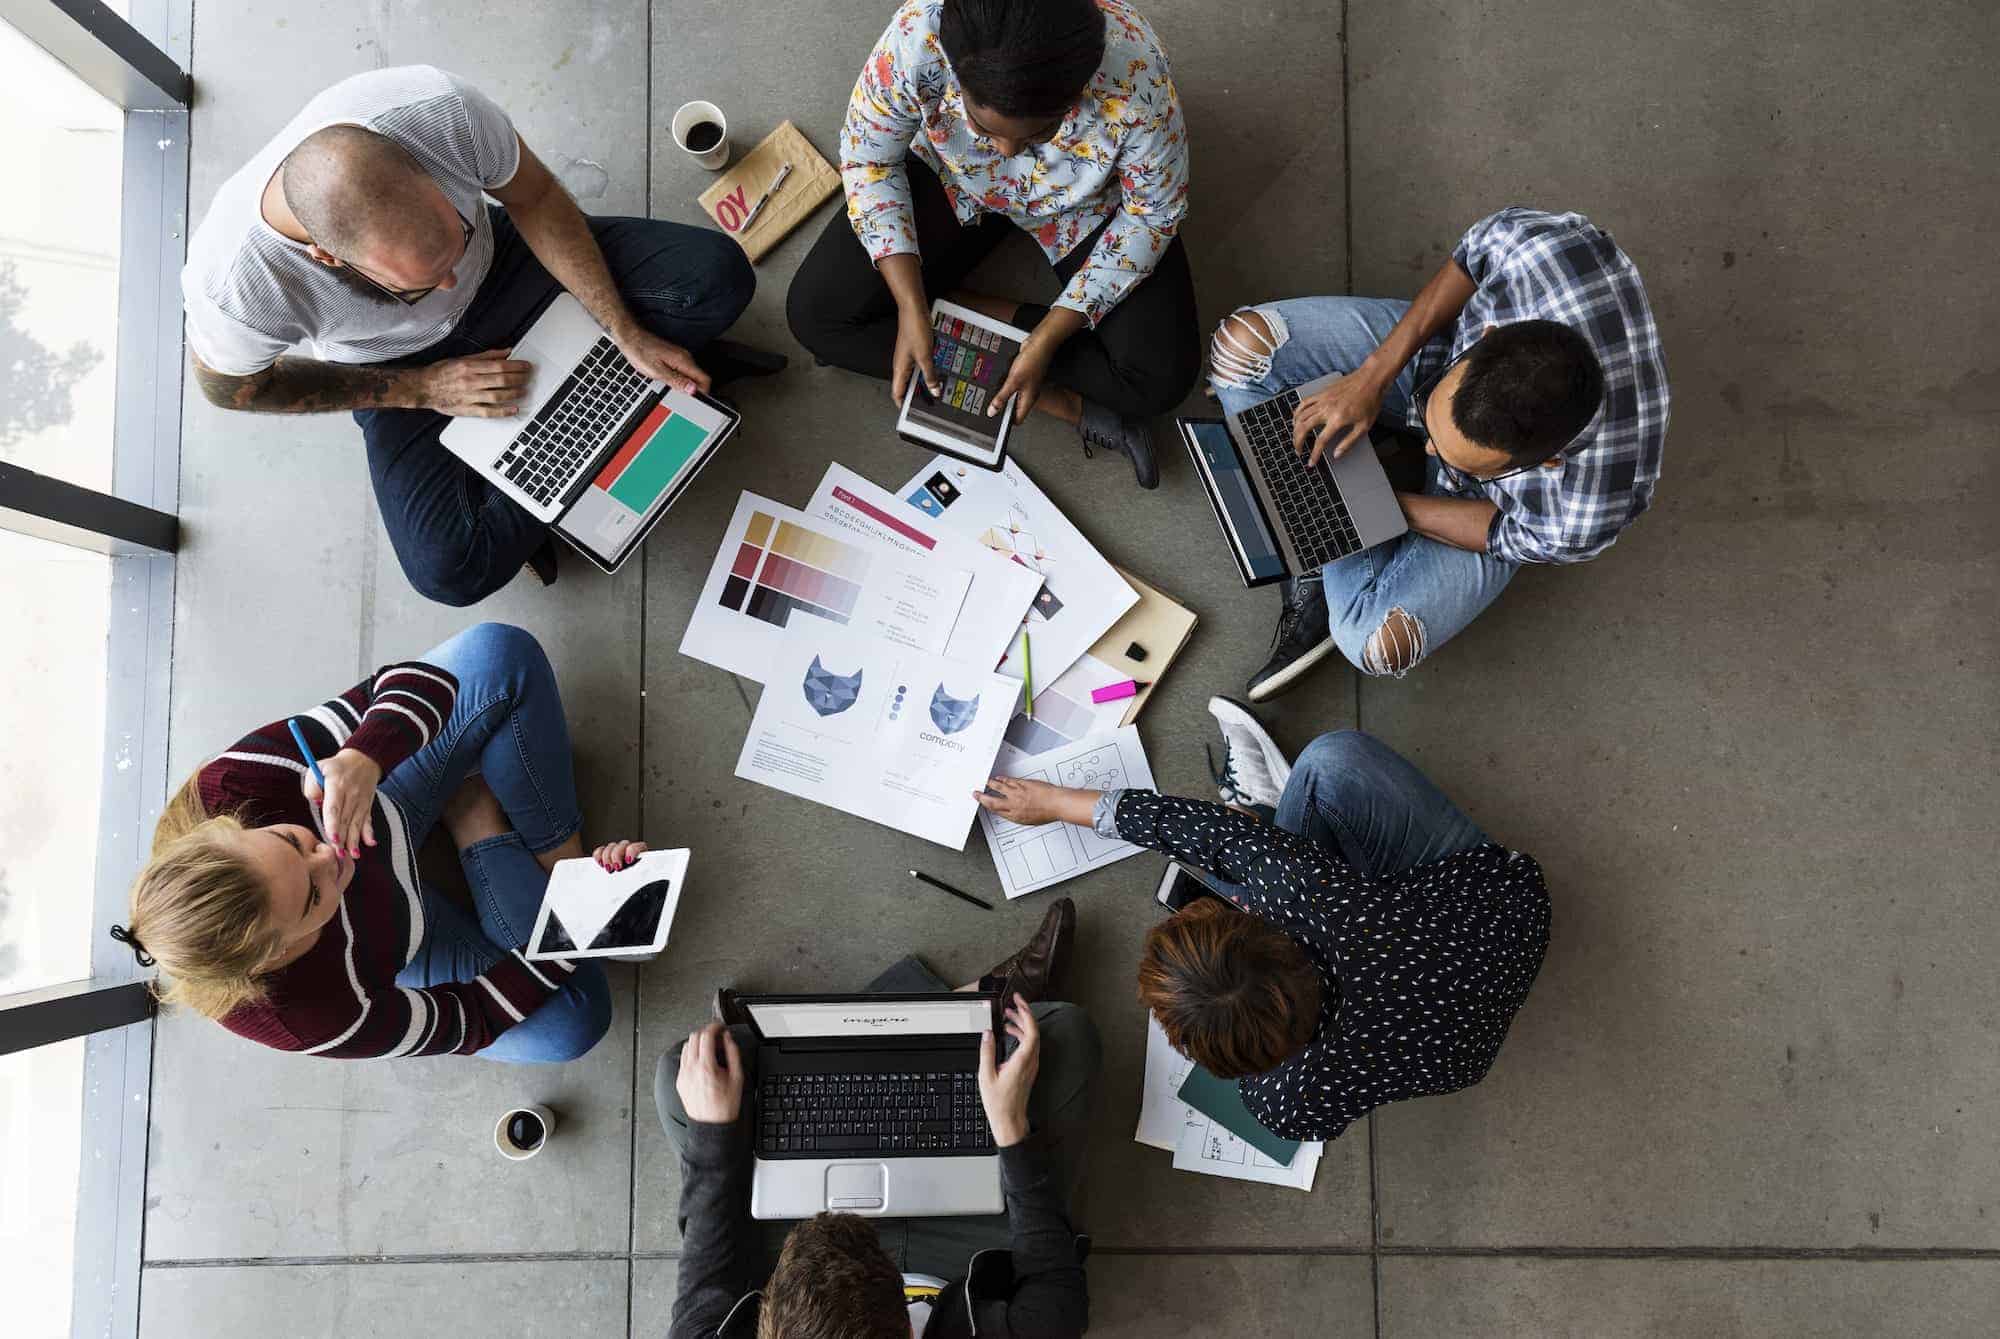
x,y
777,567
1082,595
894,735
1033,858
1001,589
1198,1143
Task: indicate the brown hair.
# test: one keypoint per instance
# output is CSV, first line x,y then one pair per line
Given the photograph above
x,y
834,1281
200,911
1233,993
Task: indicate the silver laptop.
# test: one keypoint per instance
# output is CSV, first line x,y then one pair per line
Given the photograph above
x,y
603,451
1281,516
869,1104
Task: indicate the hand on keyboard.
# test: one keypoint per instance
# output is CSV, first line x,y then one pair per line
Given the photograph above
x,y
1337,416
1004,1089
664,360
485,385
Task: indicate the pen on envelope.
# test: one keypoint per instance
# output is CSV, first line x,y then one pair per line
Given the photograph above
x,y
1112,692
765,198
944,887
1028,669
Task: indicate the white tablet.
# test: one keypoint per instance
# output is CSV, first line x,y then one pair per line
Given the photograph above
x,y
971,354
587,913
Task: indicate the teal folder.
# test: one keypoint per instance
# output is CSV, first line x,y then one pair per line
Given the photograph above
x,y
1219,1100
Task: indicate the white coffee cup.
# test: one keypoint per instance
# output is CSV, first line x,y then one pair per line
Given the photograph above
x,y
699,114
504,1141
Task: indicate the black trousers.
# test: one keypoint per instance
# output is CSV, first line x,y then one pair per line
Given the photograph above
x,y
1141,360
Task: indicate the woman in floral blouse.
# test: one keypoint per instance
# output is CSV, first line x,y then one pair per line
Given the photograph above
x,y
1058,117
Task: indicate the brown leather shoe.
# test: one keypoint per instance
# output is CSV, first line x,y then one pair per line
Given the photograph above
x,y
1036,972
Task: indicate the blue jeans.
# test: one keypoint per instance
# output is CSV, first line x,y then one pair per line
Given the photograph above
x,y
457,537
1439,587
506,726
1369,805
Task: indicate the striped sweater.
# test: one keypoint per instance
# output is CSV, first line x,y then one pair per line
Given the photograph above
x,y
340,999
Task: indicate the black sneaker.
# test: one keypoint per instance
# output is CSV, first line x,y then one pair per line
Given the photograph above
x,y
1099,427
726,361
1301,641
542,562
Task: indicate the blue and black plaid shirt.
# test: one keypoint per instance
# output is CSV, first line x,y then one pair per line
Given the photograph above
x,y
1558,267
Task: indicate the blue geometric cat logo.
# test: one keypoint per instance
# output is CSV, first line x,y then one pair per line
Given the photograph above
x,y
952,714
830,694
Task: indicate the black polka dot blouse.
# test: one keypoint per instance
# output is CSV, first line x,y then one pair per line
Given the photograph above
x,y
1420,972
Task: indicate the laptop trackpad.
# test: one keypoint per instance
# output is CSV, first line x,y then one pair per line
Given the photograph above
x,y
857,1187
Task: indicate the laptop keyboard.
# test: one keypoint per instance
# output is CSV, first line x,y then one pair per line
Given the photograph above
x,y
1310,505
563,436
834,1115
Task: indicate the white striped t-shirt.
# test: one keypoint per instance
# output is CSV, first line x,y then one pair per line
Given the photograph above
x,y
254,295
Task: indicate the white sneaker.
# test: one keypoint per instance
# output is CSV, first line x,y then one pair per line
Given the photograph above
x,y
1254,770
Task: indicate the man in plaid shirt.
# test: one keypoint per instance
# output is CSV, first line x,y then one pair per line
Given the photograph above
x,y
1530,365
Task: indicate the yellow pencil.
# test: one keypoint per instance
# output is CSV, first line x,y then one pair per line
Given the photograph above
x,y
1028,669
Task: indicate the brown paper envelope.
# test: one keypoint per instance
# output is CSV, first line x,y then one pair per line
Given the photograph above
x,y
730,200
1160,624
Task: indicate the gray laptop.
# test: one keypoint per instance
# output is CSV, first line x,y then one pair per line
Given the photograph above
x,y
869,1104
1281,516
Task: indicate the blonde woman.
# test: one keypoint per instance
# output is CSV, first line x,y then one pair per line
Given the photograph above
x,y
294,915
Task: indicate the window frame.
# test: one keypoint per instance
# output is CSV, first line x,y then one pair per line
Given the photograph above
x,y
140,66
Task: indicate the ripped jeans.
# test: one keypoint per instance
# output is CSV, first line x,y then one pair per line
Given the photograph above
x,y
1438,588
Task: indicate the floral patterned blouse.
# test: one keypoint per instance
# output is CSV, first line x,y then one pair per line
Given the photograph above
x,y
1124,132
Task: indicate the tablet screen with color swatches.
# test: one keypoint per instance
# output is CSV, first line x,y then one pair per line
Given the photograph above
x,y
780,567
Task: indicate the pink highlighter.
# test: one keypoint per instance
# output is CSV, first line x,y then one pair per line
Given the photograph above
x,y
1112,692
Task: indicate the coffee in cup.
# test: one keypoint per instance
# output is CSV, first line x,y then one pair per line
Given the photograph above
x,y
700,128
523,1132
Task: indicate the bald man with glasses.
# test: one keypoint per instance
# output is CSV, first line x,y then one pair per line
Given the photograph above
x,y
355,264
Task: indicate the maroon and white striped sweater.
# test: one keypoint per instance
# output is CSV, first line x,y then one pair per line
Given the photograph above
x,y
340,999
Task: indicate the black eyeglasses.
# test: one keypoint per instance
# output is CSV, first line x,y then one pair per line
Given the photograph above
x,y
410,297
1421,397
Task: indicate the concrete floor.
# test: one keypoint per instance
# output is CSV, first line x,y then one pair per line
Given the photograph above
x,y
1753,746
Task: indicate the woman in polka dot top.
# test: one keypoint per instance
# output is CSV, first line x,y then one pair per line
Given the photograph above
x,y
1421,935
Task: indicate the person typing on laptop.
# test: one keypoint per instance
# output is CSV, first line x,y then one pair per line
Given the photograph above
x,y
354,264
1531,366
1017,1273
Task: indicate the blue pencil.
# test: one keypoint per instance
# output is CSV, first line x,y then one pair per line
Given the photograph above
x,y
305,751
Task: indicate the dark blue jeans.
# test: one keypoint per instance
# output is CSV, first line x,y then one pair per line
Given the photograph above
x,y
458,538
507,726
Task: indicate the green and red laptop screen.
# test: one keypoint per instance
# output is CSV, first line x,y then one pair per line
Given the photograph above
x,y
643,474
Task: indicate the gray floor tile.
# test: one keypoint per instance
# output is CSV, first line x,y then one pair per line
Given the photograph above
x,y
254,1153
653,1283
1752,745
1204,1296
1617,1299
510,1300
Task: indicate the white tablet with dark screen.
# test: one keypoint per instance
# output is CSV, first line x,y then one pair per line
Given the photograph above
x,y
588,913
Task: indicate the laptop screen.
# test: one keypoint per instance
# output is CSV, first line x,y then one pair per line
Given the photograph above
x,y
887,1017
1235,494
642,473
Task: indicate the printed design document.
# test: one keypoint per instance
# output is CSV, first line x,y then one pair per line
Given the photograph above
x,y
1031,859
777,567
1082,595
1198,1143
897,736
1001,590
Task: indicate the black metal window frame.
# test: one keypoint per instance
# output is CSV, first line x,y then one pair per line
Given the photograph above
x,y
139,65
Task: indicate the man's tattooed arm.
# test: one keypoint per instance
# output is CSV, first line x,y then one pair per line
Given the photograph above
x,y
303,386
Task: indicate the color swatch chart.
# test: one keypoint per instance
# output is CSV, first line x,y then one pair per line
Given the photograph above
x,y
971,361
780,567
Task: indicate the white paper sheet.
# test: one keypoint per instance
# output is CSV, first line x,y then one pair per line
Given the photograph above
x,y
1082,595
1031,859
1198,1143
1001,589
777,565
896,736
1064,712
584,897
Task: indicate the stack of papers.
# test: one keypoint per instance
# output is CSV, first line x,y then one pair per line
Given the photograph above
x,y
1033,858
1200,1142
